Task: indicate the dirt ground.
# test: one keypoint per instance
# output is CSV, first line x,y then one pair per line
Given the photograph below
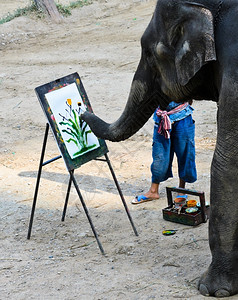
x,y
62,260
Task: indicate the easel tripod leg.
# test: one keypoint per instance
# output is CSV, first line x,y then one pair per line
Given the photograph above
x,y
86,212
67,196
38,181
121,195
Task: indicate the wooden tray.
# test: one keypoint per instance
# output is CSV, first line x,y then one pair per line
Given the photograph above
x,y
201,216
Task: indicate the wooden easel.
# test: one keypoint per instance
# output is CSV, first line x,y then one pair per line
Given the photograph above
x,y
73,180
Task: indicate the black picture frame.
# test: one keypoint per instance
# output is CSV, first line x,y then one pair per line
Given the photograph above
x,y
41,91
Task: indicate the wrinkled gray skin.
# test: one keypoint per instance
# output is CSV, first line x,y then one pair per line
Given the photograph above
x,y
190,51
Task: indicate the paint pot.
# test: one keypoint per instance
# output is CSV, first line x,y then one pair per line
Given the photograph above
x,y
179,203
191,210
191,203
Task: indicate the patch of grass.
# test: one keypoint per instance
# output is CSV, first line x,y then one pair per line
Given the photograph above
x,y
18,13
64,10
79,3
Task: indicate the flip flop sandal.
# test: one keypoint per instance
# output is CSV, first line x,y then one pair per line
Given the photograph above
x,y
140,199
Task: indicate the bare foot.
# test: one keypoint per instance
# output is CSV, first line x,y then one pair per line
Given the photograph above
x,y
151,195
145,197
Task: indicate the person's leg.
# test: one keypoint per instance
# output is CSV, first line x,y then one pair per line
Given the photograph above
x,y
161,167
182,137
182,183
153,192
181,196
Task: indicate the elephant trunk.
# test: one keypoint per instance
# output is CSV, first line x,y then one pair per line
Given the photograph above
x,y
140,106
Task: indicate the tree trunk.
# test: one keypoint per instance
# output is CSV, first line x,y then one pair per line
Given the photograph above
x,y
49,7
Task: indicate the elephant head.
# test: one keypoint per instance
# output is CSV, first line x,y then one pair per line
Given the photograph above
x,y
175,54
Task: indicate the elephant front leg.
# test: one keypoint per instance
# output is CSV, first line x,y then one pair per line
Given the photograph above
x,y
221,278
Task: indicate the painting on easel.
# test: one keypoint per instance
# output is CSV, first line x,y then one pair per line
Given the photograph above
x,y
66,106
63,101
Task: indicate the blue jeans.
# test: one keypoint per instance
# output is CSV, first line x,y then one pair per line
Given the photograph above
x,y
181,143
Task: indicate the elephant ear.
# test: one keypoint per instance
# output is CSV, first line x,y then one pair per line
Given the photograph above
x,y
195,44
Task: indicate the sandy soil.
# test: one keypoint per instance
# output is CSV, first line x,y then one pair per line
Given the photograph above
x,y
61,260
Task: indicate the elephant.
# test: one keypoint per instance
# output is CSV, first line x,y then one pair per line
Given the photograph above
x,y
189,51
